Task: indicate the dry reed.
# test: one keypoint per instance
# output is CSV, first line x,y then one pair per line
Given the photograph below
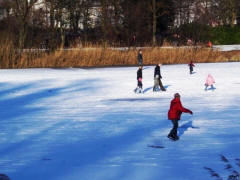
x,y
97,56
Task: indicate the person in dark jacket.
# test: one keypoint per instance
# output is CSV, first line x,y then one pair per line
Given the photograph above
x,y
174,114
157,79
140,58
139,80
191,65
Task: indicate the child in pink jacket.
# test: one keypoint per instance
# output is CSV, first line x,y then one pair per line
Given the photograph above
x,y
209,82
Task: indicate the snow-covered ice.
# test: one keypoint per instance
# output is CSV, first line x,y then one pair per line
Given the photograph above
x,y
227,47
73,124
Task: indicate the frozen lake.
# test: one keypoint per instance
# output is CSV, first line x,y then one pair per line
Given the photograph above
x,y
72,124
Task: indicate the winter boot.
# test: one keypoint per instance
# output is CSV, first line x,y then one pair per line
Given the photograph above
x,y
174,138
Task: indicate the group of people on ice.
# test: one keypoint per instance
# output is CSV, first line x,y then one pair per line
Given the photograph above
x,y
176,108
157,76
209,81
157,80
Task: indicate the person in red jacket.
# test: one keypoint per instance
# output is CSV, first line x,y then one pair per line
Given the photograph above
x,y
174,114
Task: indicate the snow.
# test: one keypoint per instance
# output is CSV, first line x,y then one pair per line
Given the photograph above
x,y
74,123
227,47
235,47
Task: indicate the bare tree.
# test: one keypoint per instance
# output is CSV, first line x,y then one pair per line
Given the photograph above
x,y
22,10
154,12
226,11
158,9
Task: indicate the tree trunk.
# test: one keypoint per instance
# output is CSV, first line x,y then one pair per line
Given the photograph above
x,y
234,16
62,37
62,29
154,22
22,10
52,14
22,35
104,18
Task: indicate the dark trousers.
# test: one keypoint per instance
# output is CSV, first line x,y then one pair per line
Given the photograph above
x,y
140,62
158,82
161,85
139,84
191,69
173,132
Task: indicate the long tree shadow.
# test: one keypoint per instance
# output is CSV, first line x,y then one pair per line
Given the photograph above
x,y
93,150
16,106
17,111
91,147
12,147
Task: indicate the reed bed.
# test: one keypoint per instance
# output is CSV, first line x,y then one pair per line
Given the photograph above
x,y
98,57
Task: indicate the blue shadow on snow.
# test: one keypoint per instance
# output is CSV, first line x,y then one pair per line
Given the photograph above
x,y
183,128
133,99
149,88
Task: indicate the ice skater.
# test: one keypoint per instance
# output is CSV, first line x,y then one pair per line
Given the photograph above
x,y
174,114
157,79
139,81
209,82
191,65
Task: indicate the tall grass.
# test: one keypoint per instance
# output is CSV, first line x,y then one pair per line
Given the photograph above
x,y
7,54
97,56
11,57
89,57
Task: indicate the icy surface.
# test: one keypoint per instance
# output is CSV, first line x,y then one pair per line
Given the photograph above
x,y
227,47
73,124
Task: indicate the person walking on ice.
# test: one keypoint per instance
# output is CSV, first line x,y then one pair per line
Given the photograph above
x,y
209,82
139,81
174,114
140,58
157,79
191,65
